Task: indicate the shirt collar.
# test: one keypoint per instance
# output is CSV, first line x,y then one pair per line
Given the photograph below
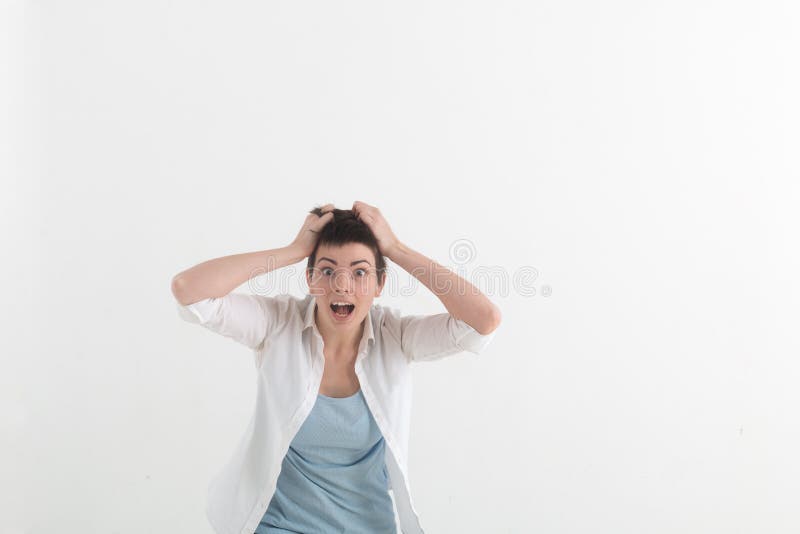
x,y
308,322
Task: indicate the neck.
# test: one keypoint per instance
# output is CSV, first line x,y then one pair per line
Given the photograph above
x,y
338,340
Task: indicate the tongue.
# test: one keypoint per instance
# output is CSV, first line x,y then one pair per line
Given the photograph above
x,y
342,311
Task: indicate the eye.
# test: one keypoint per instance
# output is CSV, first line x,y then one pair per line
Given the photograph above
x,y
362,271
324,269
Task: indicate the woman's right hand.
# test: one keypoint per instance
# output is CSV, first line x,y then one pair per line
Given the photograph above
x,y
307,238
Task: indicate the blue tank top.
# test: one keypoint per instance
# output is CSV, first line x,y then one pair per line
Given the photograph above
x,y
333,477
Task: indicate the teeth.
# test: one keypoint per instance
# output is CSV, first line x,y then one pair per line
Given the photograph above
x,y
341,303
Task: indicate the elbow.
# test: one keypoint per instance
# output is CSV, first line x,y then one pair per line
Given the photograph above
x,y
494,317
178,287
187,293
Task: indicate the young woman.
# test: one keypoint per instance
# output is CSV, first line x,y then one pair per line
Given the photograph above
x,y
329,435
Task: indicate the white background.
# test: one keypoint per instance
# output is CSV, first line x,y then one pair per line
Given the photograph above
x,y
641,157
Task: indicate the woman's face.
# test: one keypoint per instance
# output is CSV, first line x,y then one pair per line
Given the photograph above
x,y
344,274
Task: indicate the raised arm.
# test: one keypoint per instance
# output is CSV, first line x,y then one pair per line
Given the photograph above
x,y
219,276
462,299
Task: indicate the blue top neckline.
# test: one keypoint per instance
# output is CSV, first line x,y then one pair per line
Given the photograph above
x,y
340,398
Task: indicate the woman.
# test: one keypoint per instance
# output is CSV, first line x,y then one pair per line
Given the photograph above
x,y
329,435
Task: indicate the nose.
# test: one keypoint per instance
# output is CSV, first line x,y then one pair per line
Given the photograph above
x,y
342,282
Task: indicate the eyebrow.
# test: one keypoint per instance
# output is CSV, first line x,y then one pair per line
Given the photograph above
x,y
351,263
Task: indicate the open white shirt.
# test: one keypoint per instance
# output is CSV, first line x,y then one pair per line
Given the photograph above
x,y
287,348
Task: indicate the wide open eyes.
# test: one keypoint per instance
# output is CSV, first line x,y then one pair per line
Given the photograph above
x,y
360,273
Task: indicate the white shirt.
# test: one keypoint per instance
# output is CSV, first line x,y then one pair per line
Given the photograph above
x,y
289,361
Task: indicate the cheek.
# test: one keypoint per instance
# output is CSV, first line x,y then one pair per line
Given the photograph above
x,y
365,288
318,287
318,280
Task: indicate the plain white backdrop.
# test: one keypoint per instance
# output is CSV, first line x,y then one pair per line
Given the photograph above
x,y
635,163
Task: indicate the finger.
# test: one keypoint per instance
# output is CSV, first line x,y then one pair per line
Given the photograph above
x,y
366,213
325,209
323,220
360,207
366,208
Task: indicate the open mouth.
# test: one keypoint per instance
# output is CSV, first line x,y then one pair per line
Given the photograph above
x,y
343,310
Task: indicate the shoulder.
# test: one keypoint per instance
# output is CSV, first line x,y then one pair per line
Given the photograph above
x,y
283,313
386,320
278,310
288,305
292,302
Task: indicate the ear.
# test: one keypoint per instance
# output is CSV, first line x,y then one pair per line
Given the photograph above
x,y
308,277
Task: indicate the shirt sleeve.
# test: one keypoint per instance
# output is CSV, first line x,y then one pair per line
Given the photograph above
x,y
247,319
431,337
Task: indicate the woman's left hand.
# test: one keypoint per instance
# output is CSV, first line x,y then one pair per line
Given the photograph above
x,y
373,218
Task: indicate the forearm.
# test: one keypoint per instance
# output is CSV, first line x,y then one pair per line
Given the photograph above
x,y
219,276
462,299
